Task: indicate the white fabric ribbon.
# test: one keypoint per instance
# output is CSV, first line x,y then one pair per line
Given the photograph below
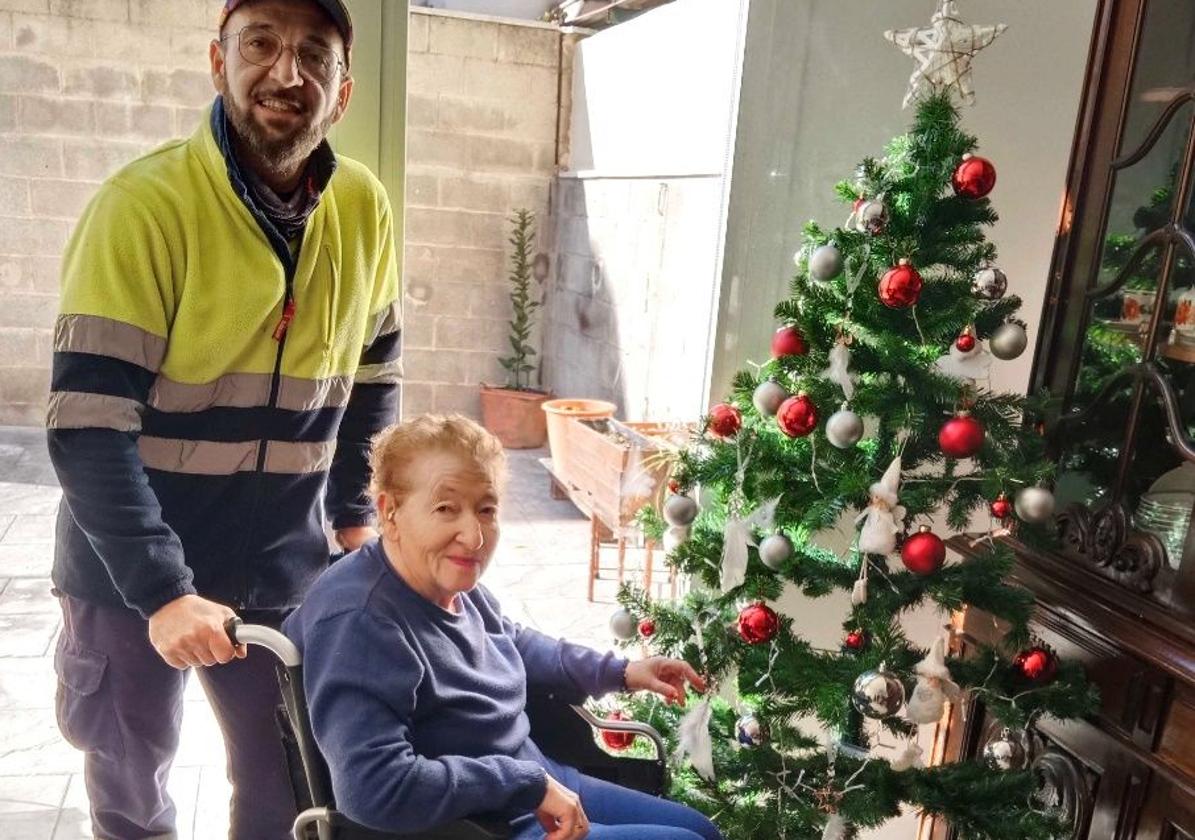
x,y
738,536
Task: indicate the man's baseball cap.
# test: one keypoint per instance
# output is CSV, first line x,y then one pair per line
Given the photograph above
x,y
335,9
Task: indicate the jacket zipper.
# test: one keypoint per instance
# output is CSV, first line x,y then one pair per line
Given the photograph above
x,y
279,335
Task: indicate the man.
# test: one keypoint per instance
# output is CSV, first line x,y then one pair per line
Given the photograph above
x,y
228,343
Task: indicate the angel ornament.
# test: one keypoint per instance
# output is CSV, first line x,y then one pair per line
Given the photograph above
x,y
884,516
934,687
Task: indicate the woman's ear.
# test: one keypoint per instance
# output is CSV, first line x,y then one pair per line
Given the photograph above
x,y
387,508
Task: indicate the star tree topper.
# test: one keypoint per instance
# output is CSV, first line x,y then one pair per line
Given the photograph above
x,y
943,52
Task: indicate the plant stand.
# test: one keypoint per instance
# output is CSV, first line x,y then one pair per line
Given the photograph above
x,y
603,532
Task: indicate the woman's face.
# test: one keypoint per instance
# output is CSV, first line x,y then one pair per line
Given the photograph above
x,y
441,535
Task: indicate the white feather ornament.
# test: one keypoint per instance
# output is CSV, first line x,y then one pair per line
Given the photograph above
x,y
693,736
739,535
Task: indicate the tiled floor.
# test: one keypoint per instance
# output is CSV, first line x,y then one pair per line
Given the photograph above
x,y
539,574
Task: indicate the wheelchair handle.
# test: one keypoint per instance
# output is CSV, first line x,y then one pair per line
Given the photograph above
x,y
646,730
240,633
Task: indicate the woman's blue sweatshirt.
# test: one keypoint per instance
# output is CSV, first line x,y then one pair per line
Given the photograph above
x,y
419,711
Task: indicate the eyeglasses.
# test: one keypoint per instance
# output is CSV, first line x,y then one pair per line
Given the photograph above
x,y
261,47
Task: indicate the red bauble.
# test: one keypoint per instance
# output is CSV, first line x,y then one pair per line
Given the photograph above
x,y
647,627
965,342
961,437
900,286
797,416
974,177
617,740
673,485
923,553
1037,664
1001,508
788,341
758,623
855,640
725,420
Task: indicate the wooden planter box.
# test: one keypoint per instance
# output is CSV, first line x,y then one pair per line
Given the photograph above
x,y
619,467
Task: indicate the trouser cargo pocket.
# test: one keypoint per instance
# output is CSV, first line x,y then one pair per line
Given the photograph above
x,y
84,707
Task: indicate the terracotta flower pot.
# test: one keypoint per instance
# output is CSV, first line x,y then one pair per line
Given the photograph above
x,y
514,417
562,412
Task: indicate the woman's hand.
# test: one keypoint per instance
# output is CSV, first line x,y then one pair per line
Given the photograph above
x,y
561,813
665,677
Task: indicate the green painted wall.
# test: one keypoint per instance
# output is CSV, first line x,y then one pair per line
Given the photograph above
x,y
374,129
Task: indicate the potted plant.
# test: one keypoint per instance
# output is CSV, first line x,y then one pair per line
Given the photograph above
x,y
513,412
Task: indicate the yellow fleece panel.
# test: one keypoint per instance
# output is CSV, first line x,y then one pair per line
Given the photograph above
x,y
168,247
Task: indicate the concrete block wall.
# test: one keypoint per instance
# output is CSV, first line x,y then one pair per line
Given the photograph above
x,y
85,86
481,141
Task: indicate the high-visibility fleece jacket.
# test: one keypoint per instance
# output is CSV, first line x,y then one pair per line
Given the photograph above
x,y
210,391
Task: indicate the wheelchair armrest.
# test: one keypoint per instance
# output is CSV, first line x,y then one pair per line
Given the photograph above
x,y
638,728
566,734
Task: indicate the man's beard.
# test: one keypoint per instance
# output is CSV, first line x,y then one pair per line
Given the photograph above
x,y
281,154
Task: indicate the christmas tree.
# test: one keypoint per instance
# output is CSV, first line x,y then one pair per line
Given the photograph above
x,y
871,417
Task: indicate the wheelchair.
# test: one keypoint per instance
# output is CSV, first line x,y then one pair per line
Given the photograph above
x,y
563,731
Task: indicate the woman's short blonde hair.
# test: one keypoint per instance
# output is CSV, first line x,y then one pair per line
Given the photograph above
x,y
395,447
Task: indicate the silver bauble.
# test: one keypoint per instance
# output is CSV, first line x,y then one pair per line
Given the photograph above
x,y
1008,341
674,536
767,398
679,510
989,284
774,550
1008,752
871,217
1035,504
825,263
878,694
844,428
750,732
623,625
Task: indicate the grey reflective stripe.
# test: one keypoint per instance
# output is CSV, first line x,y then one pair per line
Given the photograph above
x,y
287,457
388,320
80,410
107,337
386,373
249,390
198,457
309,394
208,457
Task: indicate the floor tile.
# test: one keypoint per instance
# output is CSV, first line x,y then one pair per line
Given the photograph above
x,y
26,559
30,527
28,498
26,683
29,805
28,595
27,634
33,744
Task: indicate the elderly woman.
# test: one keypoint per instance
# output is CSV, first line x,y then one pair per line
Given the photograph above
x,y
417,683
